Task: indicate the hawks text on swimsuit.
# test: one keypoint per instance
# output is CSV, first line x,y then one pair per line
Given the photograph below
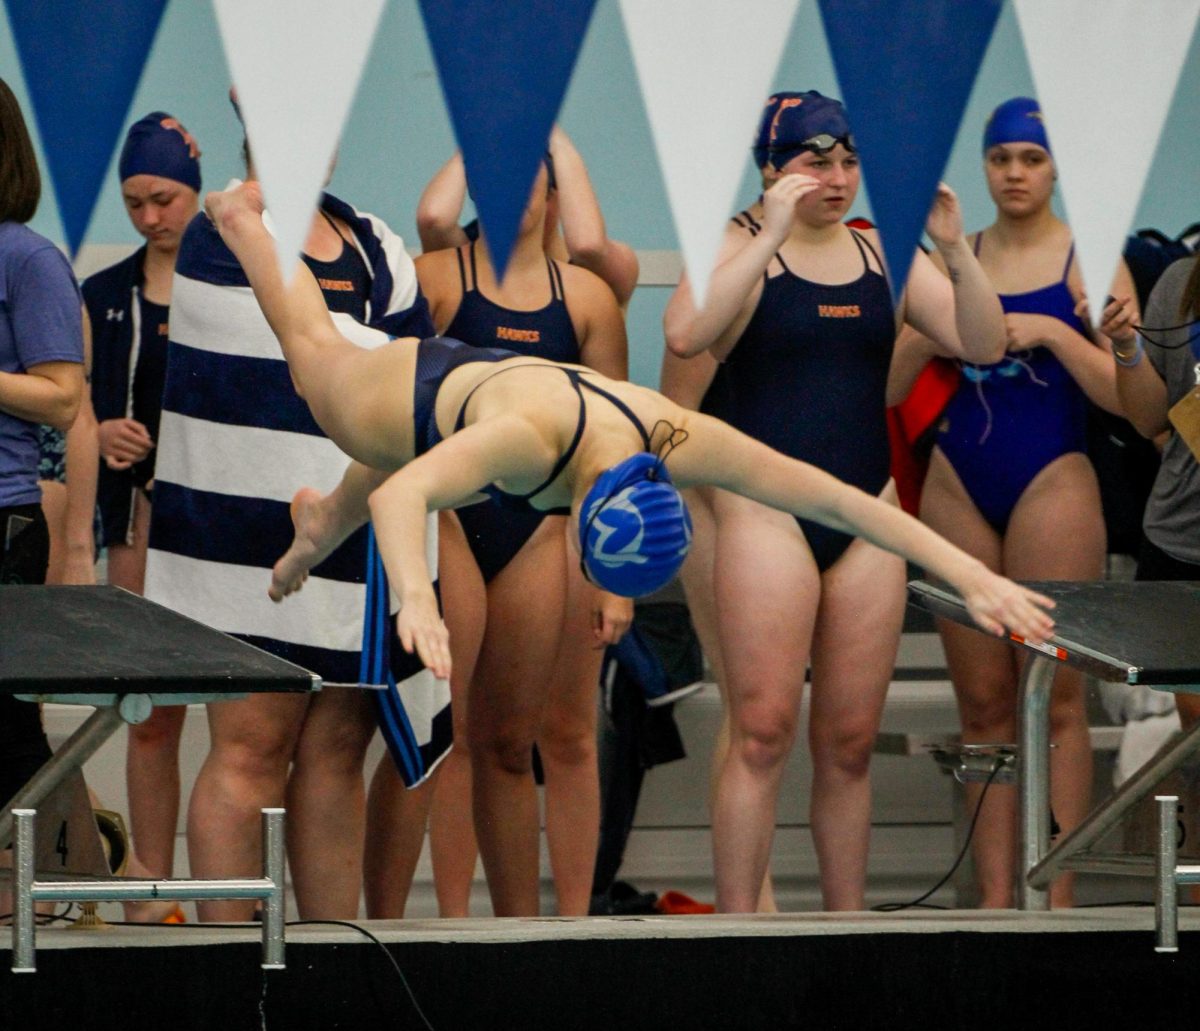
x,y
838,311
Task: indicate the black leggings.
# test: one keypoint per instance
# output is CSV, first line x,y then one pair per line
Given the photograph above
x,y
24,553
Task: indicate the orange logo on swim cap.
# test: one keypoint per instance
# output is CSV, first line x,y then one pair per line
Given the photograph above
x,y
783,106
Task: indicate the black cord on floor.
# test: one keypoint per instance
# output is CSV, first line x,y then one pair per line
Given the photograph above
x,y
896,907
367,934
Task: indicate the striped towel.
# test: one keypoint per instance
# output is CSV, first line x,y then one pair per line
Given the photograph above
x,y
235,444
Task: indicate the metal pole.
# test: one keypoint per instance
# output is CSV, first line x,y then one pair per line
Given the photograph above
x,y
1033,775
1166,899
273,870
1100,821
77,750
22,932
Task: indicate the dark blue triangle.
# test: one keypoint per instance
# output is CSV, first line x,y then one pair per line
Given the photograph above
x,y
906,68
504,69
82,60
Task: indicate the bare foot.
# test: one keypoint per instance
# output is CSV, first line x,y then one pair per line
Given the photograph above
x,y
314,541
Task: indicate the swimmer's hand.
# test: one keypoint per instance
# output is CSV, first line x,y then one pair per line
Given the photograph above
x,y
1002,607
1027,330
611,617
1116,322
779,203
420,628
945,224
224,207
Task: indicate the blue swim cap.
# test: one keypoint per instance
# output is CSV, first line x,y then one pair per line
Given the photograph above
x,y
634,528
1016,121
805,122
159,145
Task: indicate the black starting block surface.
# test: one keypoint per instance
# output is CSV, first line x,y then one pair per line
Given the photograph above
x,y
1140,633
103,640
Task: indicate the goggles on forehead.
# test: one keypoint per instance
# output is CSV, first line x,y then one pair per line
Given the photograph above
x,y
820,144
824,142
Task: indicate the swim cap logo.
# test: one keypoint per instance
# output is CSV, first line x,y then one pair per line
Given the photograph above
x,y
619,532
784,104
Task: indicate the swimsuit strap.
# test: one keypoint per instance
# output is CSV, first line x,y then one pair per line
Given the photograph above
x,y
474,270
332,224
556,283
462,270
1070,258
864,241
620,406
566,456
783,264
978,241
574,379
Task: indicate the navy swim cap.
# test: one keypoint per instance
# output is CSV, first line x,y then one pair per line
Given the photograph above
x,y
159,145
806,123
634,528
1016,121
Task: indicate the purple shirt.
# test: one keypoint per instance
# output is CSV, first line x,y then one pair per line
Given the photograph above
x,y
39,322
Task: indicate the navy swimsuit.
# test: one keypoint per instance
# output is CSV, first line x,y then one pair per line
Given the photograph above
x,y
808,377
437,357
497,532
1010,420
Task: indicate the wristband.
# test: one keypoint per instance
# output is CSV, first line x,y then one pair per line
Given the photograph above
x,y
1129,361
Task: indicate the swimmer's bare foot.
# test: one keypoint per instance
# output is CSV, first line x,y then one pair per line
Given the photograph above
x,y
315,540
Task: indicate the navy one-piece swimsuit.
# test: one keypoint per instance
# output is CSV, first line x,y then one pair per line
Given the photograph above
x,y
808,377
496,531
1009,420
437,357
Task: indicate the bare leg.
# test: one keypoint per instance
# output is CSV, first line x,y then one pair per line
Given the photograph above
x,y
862,604
152,750
452,844
252,744
326,804
767,589
696,576
152,781
1057,533
54,508
567,744
396,817
508,700
983,672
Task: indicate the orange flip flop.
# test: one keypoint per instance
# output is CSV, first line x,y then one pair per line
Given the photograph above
x,y
676,902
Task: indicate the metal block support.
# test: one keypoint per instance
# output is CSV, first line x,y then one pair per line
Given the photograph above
x,y
1166,898
27,890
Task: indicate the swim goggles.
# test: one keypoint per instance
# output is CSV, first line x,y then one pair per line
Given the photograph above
x,y
822,144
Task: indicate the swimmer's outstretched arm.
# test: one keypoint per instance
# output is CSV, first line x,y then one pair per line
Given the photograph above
x,y
505,448
717,454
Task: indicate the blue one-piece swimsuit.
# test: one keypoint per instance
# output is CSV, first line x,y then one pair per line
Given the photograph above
x,y
808,377
1010,420
496,532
